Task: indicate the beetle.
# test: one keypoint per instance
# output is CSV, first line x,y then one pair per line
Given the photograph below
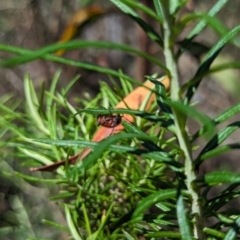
x,y
109,120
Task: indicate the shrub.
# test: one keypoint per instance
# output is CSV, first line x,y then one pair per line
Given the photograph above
x,y
143,182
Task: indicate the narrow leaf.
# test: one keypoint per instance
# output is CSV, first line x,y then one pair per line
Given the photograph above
x,y
50,57
215,178
83,143
127,235
160,95
233,231
213,232
218,151
33,104
147,28
183,221
143,8
201,25
103,146
33,55
193,84
190,111
164,234
219,119
158,8
219,138
74,232
209,58
152,199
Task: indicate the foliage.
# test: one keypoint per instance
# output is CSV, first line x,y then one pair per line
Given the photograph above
x,y
134,184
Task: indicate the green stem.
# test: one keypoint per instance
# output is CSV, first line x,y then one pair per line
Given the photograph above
x,y
180,124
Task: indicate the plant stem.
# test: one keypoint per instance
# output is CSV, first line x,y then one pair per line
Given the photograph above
x,y
180,123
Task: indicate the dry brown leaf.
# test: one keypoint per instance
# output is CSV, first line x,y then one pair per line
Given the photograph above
x,y
75,22
132,101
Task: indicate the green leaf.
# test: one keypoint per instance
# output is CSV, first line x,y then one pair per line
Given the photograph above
x,y
194,48
202,24
103,111
39,180
54,224
142,114
38,238
147,28
137,214
161,96
63,195
102,224
218,151
217,139
89,144
33,55
150,145
175,5
163,157
127,235
233,231
143,8
104,145
224,66
190,111
218,177
164,234
193,84
222,42
213,232
62,60
33,104
223,198
183,221
152,199
211,21
73,229
219,119
158,8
